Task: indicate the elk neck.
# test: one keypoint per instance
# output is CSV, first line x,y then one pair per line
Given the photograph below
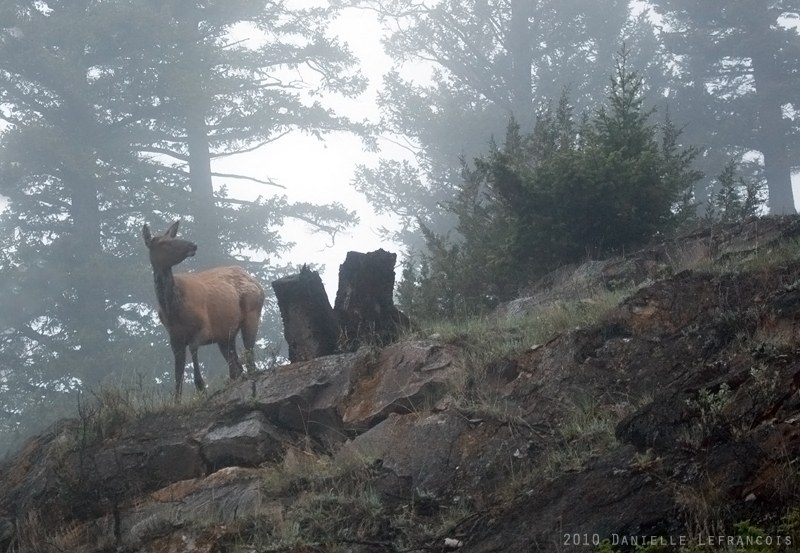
x,y
167,293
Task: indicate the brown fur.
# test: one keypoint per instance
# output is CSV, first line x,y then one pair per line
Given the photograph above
x,y
209,307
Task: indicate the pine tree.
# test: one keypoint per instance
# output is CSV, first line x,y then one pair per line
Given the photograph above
x,y
114,111
554,196
491,60
739,66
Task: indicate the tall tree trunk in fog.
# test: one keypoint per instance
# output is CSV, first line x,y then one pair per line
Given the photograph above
x,y
88,306
84,300
519,44
207,225
196,104
772,130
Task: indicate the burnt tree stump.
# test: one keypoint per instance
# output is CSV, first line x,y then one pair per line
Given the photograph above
x,y
364,302
309,324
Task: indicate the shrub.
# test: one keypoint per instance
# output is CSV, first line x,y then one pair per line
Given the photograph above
x,y
553,196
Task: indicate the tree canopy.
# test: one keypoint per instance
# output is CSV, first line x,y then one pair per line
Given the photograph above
x,y
737,65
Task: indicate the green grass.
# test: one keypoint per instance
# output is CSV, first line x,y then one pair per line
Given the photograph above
x,y
487,339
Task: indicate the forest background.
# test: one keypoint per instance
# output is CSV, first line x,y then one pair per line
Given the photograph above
x,y
120,112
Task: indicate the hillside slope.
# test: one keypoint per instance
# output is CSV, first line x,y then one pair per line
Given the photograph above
x,y
570,417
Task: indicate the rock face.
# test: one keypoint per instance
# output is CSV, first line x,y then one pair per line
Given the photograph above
x,y
247,442
574,282
680,409
419,375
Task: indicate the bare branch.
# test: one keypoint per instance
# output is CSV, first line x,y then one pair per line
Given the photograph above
x,y
332,231
252,148
164,151
269,182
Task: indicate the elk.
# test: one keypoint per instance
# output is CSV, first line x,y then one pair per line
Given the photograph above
x,y
209,307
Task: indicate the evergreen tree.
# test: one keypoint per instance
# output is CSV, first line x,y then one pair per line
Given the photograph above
x,y
202,95
70,284
737,198
114,110
491,60
554,196
71,180
738,65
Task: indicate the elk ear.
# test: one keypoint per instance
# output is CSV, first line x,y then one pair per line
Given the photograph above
x,y
173,230
148,238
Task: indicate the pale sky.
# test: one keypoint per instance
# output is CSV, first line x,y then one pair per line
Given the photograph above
x,y
320,172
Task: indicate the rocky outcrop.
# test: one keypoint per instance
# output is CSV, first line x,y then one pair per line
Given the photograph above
x,y
419,375
247,442
575,282
163,469
680,409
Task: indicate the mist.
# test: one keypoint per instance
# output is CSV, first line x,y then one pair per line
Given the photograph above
x,y
286,133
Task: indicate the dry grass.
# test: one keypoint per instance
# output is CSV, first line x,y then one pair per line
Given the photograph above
x,y
487,339
329,504
763,259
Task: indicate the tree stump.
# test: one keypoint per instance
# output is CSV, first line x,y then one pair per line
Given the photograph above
x,y
364,302
309,324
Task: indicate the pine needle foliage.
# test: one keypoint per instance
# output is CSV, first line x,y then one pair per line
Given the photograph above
x,y
567,191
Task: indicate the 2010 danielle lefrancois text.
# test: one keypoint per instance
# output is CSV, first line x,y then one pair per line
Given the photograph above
x,y
576,539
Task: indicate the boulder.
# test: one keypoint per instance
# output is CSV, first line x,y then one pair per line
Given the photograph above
x,y
247,442
225,497
301,396
419,448
332,397
405,377
446,452
143,465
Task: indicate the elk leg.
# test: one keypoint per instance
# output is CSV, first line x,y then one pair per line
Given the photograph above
x,y
228,350
249,331
198,377
180,365
249,361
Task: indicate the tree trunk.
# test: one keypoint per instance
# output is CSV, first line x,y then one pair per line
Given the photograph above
x,y
207,225
309,325
519,43
204,209
364,304
772,129
82,251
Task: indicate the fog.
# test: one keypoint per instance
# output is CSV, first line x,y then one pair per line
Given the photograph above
x,y
115,114
320,170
